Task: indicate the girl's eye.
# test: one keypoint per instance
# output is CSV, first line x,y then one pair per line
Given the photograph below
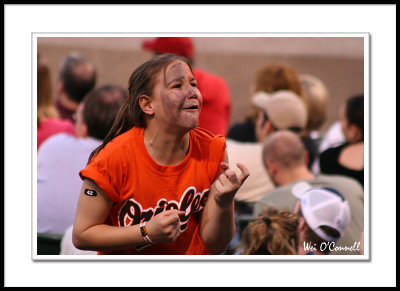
x,y
179,85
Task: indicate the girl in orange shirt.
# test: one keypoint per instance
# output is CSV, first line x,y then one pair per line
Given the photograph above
x,y
158,184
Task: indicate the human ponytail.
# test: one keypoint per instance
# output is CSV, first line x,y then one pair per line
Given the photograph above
x,y
271,235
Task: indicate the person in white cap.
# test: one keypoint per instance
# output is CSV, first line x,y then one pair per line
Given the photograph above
x,y
323,215
280,110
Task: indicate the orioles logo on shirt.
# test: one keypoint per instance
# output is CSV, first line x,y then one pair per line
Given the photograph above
x,y
132,212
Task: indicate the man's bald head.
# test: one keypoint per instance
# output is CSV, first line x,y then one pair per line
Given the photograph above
x,y
285,149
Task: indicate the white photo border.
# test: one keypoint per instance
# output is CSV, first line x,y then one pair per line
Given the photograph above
x,y
23,20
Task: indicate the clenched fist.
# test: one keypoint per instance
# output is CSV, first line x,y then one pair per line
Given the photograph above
x,y
165,227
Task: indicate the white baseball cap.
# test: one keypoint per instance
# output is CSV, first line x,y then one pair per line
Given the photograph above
x,y
284,108
325,207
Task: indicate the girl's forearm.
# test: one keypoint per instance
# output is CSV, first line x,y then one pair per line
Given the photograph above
x,y
104,237
219,228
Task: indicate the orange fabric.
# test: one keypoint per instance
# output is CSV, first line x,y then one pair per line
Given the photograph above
x,y
141,188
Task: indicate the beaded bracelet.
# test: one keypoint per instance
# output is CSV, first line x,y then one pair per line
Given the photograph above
x,y
144,232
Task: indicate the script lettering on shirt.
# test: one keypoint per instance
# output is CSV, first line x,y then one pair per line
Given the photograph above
x,y
191,201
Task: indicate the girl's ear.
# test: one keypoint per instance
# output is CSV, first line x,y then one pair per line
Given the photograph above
x,y
146,105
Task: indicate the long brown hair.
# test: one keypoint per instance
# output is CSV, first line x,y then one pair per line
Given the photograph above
x,y
141,82
45,101
274,234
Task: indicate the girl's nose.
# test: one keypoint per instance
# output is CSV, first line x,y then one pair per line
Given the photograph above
x,y
193,93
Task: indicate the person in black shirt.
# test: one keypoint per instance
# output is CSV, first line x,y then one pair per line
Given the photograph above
x,y
348,158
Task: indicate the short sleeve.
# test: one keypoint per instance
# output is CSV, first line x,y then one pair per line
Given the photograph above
x,y
108,172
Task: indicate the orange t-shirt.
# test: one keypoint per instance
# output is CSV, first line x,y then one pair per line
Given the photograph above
x,y
140,188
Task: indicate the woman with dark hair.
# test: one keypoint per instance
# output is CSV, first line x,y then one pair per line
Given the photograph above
x,y
348,158
158,184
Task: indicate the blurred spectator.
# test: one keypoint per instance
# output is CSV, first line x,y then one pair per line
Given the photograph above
x,y
285,157
77,77
318,108
317,101
216,109
268,79
48,122
278,111
258,183
283,110
332,138
62,156
323,216
318,97
271,234
348,158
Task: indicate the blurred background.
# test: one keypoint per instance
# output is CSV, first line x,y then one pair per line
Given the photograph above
x,y
337,61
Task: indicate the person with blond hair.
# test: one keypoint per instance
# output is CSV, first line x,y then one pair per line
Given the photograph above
x,y
272,233
48,121
317,96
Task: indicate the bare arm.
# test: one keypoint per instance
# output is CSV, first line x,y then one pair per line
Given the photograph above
x,y
90,232
217,225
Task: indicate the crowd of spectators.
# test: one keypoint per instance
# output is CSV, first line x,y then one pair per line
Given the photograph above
x,y
305,192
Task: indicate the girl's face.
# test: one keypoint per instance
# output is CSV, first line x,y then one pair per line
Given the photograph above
x,y
176,100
